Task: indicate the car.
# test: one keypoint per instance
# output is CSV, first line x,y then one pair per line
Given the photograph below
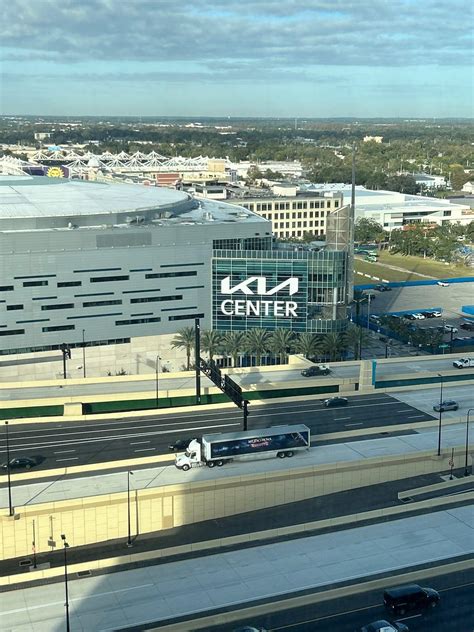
x,y
384,626
418,316
22,462
449,404
180,445
409,316
467,326
429,314
436,314
447,329
403,599
312,371
463,363
336,401
374,318
442,284
383,288
370,295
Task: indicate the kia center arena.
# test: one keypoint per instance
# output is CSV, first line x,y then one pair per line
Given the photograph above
x,y
105,262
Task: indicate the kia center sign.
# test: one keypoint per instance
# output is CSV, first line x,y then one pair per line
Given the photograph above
x,y
255,289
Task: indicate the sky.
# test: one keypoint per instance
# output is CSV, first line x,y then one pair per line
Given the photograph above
x,y
262,58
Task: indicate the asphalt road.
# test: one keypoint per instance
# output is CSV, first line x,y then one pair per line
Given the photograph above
x,y
349,614
78,443
340,370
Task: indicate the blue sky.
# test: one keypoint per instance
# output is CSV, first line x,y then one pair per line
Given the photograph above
x,y
313,58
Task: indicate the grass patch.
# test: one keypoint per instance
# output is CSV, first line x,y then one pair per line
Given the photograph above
x,y
382,272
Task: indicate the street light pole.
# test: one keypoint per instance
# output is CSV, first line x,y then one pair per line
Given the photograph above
x,y
466,471
157,366
33,545
84,353
10,504
129,538
66,605
440,412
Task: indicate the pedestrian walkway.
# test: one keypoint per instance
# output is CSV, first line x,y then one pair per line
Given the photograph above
x,y
163,591
64,489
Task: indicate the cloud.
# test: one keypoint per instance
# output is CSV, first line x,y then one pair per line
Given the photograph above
x,y
262,36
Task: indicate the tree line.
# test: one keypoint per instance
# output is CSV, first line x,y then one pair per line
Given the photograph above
x,y
256,343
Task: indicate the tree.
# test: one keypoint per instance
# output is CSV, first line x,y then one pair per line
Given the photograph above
x,y
334,344
257,343
356,337
234,343
308,344
367,230
185,339
211,342
280,343
254,173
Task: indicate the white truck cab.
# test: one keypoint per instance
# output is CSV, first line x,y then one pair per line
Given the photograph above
x,y
191,458
463,363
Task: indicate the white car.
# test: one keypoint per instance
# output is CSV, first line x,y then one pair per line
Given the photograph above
x,y
436,314
449,328
418,316
443,284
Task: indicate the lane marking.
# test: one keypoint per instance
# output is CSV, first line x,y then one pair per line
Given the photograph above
x,y
341,418
64,451
359,423
144,449
139,442
413,616
73,458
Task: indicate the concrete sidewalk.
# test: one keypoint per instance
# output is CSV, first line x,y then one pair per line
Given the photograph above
x,y
453,436
153,593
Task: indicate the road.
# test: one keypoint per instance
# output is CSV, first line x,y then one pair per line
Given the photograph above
x,y
339,370
77,443
349,614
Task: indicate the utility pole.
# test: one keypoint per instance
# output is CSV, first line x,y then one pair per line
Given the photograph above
x,y
83,353
66,605
10,504
197,358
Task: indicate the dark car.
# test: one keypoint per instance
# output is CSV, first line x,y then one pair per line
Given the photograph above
x,y
467,326
179,445
449,404
384,626
383,288
336,401
312,371
408,598
409,316
22,462
370,295
428,314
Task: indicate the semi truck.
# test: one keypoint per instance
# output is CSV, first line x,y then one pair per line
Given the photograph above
x,y
218,449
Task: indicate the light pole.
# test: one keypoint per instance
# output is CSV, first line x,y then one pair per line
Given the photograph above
x,y
33,545
470,410
440,411
129,538
157,366
84,353
10,504
66,605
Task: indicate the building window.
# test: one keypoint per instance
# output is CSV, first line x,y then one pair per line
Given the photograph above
x,y
179,265
34,283
59,328
162,275
185,316
12,307
336,204
60,306
328,204
69,283
35,276
11,332
155,299
98,270
100,303
6,288
138,321
122,277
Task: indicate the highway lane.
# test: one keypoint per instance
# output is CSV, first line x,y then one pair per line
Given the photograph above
x,y
340,370
349,614
77,443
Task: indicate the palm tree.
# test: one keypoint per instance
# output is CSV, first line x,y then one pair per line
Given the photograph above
x,y
280,343
308,344
233,344
185,339
334,344
356,337
257,342
211,342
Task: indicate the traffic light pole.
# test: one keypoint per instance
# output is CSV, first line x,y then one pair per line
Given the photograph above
x,y
197,359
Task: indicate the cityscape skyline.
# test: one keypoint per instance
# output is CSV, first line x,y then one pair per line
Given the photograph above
x,y
264,59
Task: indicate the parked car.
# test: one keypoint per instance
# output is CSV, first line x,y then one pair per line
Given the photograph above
x,y
429,314
418,316
436,314
383,288
22,462
375,319
403,599
312,371
467,326
443,284
370,295
449,404
409,316
179,445
385,626
336,401
446,329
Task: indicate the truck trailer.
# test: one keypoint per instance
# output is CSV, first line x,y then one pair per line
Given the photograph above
x,y
218,449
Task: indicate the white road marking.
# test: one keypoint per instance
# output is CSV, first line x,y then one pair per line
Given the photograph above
x,y
144,449
341,418
360,423
139,442
64,451
414,616
415,416
73,458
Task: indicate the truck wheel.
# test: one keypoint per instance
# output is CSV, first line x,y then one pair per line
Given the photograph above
x,y
281,455
219,463
185,468
289,454
210,464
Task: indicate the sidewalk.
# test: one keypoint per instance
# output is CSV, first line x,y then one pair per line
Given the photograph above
x,y
165,591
